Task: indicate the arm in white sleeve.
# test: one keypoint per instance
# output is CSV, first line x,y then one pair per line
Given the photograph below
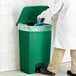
x,y
54,7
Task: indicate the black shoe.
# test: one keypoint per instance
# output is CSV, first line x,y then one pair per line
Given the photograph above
x,y
44,71
70,73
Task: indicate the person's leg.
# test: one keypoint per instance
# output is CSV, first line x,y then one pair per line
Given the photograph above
x,y
72,72
73,61
56,60
55,63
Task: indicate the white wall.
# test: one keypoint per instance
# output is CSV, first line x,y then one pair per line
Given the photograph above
x,y
9,12
9,53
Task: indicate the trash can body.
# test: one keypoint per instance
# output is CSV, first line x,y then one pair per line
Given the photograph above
x,y
34,41
34,50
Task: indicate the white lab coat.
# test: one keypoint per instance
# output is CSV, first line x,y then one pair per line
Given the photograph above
x,y
65,34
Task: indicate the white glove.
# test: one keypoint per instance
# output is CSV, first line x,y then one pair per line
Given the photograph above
x,y
46,15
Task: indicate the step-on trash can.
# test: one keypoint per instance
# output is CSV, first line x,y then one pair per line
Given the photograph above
x,y
34,40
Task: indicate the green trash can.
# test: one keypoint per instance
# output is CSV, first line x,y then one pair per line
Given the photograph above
x,y
34,41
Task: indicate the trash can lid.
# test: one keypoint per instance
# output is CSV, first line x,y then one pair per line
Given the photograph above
x,y
30,13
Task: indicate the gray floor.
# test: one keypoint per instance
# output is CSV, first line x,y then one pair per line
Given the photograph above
x,y
62,72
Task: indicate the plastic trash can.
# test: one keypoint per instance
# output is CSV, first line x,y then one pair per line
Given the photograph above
x,y
34,41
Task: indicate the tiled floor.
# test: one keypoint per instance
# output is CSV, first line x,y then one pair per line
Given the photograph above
x,y
62,72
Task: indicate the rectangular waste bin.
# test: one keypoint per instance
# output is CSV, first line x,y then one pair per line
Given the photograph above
x,y
34,41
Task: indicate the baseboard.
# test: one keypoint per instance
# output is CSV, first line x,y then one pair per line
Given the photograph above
x,y
9,69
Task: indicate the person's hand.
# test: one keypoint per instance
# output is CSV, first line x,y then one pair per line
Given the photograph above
x,y
46,15
39,17
55,17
